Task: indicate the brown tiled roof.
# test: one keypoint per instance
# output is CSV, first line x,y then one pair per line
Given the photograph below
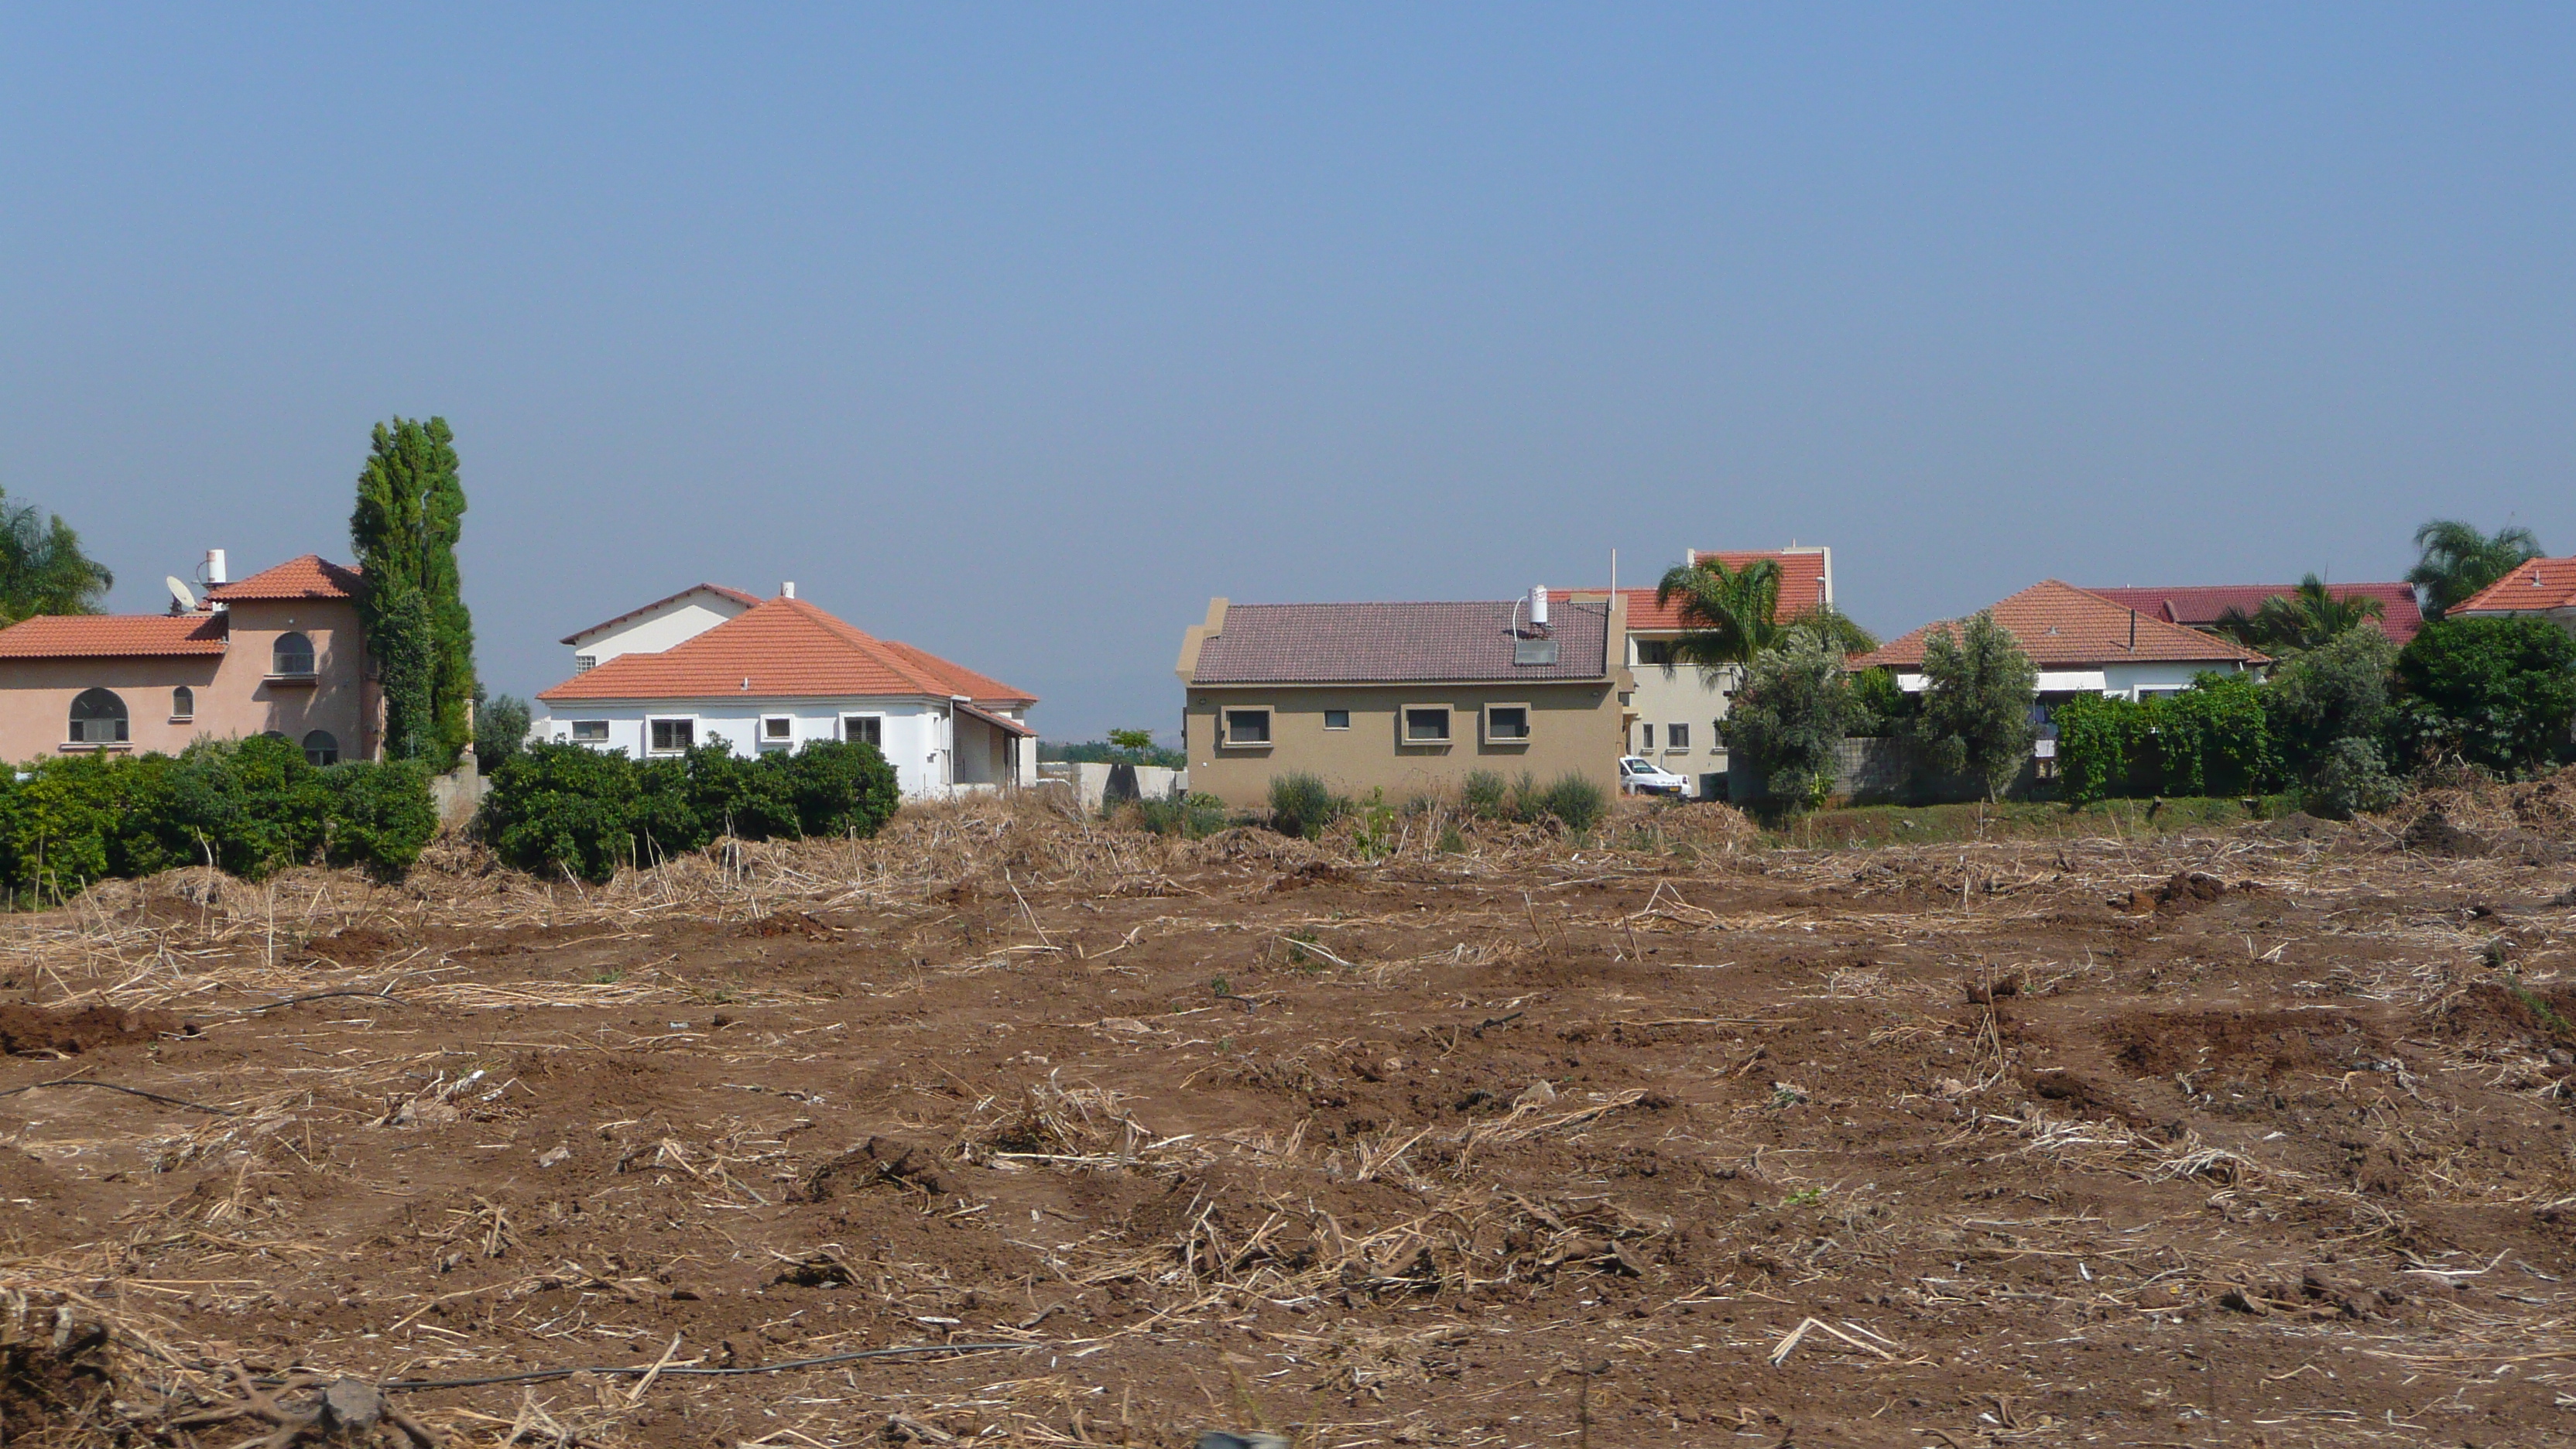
x,y
737,595
1395,643
309,577
112,636
2534,585
2198,606
2063,627
784,648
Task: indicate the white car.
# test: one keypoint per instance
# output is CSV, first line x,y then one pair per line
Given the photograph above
x,y
1639,776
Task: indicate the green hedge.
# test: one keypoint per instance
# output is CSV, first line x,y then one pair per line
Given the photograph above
x,y
2211,739
569,808
250,806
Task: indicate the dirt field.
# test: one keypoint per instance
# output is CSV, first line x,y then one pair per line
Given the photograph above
x,y
2253,1137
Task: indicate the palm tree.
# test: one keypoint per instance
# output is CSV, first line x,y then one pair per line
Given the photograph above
x,y
2457,561
1731,614
42,568
2303,619
1831,629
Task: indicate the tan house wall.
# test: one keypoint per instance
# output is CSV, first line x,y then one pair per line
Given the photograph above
x,y
234,694
1574,729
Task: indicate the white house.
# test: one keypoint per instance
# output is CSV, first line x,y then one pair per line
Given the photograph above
x,y
781,672
2084,643
659,625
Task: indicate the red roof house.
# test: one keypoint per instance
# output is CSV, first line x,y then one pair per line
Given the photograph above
x,y
2199,606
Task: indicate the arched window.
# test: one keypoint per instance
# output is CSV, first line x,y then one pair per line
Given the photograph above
x,y
183,703
98,718
321,749
294,655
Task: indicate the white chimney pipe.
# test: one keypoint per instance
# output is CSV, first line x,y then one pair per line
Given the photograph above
x,y
787,590
1538,606
215,566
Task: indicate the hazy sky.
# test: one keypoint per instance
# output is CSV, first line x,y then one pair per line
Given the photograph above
x,y
1016,333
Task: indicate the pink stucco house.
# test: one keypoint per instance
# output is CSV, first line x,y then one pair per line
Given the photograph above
x,y
278,653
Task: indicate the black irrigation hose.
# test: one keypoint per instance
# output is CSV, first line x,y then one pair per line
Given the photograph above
x,y
129,1091
641,1370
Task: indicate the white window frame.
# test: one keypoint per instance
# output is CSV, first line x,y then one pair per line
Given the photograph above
x,y
1225,714
1645,739
848,720
784,740
1328,719
1405,738
183,716
1677,738
584,663
1529,724
578,725
688,720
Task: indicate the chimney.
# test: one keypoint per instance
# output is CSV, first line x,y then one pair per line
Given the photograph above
x,y
787,590
215,566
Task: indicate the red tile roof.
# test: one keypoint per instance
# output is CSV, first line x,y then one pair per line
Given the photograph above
x,y
2198,606
1802,588
737,595
112,636
784,648
2533,586
309,577
2063,627
1397,643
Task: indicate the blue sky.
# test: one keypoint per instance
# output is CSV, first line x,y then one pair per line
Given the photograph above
x,y
1018,332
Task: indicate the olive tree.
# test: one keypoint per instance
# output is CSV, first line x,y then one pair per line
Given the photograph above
x,y
1976,702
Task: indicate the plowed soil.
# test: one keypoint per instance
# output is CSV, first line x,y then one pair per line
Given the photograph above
x,y
2255,1138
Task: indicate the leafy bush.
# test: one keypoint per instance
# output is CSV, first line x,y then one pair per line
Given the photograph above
x,y
1483,795
2350,779
2488,691
1789,720
2212,738
251,807
1880,709
1577,801
1196,816
2097,737
500,730
1301,805
2337,691
584,812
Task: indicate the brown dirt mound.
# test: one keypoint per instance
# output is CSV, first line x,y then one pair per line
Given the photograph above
x,y
2498,1011
2240,1043
27,1030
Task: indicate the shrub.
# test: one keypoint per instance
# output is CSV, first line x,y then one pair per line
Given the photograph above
x,y
2336,691
2351,778
381,816
250,807
2211,739
1789,721
569,808
1483,795
1880,709
1195,816
841,788
2097,736
500,730
1577,801
2488,691
1300,805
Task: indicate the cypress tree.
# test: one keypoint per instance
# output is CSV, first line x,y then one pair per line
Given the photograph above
x,y
411,511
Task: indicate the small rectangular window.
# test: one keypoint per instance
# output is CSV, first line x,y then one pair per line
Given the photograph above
x,y
1654,651
1677,737
1426,724
863,729
777,729
590,731
1244,727
1507,724
584,663
671,736
1337,719
1646,738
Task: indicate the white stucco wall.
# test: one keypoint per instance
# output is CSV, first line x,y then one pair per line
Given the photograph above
x,y
1670,694
914,733
2124,681
677,622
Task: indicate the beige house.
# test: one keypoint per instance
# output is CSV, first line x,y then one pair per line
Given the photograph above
x,y
1404,698
279,653
1677,710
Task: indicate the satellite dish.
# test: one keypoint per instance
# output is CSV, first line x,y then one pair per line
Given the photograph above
x,y
180,594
